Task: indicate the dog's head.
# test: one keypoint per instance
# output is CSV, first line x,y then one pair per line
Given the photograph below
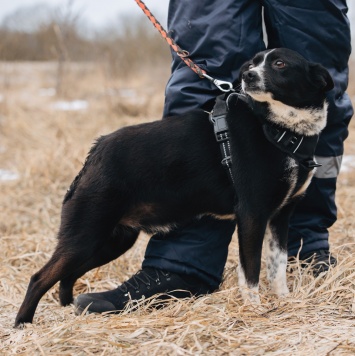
x,y
286,76
287,81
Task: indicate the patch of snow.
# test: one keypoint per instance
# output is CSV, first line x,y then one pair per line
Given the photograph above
x,y
348,163
6,175
127,93
74,105
122,92
47,92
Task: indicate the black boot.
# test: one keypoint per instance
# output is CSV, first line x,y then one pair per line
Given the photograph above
x,y
321,260
144,284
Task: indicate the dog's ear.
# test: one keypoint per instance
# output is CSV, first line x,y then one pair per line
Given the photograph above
x,y
321,77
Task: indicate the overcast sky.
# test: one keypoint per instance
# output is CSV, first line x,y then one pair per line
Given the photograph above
x,y
101,12
98,12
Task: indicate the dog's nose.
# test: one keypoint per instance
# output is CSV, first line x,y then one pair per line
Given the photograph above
x,y
249,76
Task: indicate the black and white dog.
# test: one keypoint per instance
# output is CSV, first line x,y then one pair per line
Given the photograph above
x,y
159,175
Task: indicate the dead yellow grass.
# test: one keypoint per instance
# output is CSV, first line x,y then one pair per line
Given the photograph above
x,y
46,148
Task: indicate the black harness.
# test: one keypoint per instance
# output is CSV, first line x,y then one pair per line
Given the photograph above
x,y
221,131
299,147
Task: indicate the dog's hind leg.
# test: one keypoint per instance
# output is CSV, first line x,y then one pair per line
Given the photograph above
x,y
60,264
251,230
121,240
84,223
276,251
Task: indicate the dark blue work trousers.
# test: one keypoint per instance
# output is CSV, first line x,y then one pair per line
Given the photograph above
x,y
220,36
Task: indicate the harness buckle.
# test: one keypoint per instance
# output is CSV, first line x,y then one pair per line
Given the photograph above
x,y
222,137
220,127
221,131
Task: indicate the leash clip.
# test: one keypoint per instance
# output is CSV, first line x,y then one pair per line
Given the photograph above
x,y
226,87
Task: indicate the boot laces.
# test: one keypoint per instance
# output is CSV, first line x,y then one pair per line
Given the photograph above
x,y
145,278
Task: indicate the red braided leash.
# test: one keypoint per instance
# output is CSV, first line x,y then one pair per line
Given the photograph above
x,y
221,85
180,52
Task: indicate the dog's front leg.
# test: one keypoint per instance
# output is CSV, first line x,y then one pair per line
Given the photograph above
x,y
276,262
249,291
251,230
276,251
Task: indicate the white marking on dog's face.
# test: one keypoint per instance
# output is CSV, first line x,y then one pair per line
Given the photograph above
x,y
249,292
276,263
293,88
260,70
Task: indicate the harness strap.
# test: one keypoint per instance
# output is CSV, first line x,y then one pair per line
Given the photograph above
x,y
221,131
301,148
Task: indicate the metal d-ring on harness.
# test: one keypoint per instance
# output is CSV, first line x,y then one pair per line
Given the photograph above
x,y
224,86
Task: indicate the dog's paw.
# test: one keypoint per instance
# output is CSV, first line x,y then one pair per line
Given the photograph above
x,y
280,288
249,292
250,296
283,294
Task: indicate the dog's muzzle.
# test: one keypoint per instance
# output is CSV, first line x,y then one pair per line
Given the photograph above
x,y
251,81
250,76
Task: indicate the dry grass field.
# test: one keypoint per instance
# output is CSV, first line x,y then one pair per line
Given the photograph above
x,y
44,139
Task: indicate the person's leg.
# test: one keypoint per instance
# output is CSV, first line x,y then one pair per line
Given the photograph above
x,y
220,36
318,30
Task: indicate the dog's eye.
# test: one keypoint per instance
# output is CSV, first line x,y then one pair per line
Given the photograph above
x,y
279,64
251,66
